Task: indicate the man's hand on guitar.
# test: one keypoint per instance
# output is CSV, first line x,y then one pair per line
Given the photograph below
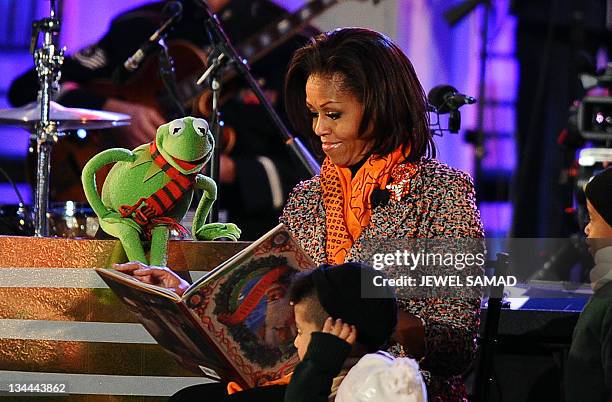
x,y
145,121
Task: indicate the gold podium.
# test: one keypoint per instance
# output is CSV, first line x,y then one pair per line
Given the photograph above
x,y
60,324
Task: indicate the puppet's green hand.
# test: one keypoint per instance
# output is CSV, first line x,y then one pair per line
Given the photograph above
x,y
213,231
116,218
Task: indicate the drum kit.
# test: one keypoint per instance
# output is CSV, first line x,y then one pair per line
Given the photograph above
x,y
46,121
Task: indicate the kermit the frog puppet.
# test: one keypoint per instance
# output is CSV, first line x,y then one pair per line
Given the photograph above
x,y
149,189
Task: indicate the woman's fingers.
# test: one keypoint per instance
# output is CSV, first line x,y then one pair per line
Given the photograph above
x,y
141,273
146,279
160,276
129,267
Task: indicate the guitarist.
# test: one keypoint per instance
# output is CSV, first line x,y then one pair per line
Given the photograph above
x,y
256,171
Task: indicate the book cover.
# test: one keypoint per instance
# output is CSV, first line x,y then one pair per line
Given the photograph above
x,y
235,323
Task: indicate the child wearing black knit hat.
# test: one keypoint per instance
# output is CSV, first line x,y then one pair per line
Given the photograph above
x,y
340,317
589,363
598,193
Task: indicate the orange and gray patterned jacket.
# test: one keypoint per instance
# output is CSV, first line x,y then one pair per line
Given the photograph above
x,y
440,203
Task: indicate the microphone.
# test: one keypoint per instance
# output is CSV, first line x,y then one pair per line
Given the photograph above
x,y
124,71
380,197
446,98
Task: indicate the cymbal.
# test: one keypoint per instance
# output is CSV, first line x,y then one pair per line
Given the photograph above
x,y
67,118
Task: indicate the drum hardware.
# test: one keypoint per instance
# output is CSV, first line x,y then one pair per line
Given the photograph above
x,y
66,219
47,120
16,220
72,220
47,60
65,119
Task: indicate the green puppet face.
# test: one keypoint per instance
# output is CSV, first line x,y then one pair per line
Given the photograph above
x,y
185,140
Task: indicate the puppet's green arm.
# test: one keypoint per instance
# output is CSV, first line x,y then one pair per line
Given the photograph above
x,y
88,176
208,197
215,230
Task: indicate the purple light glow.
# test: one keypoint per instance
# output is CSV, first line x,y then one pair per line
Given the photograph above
x,y
440,54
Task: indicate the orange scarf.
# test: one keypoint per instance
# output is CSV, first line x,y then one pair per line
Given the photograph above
x,y
347,203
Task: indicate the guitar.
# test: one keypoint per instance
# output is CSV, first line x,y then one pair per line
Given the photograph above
x,y
191,61
146,88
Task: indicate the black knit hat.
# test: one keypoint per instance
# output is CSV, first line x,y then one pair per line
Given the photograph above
x,y
346,291
599,192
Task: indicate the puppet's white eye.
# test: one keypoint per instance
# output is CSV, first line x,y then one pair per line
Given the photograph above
x,y
176,127
200,126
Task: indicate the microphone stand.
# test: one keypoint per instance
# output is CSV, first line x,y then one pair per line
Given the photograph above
x,y
168,78
170,103
453,16
225,50
214,71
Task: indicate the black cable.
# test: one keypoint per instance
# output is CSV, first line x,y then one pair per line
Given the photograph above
x,y
436,127
8,178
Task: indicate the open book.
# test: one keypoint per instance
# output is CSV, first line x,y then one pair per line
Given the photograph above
x,y
234,323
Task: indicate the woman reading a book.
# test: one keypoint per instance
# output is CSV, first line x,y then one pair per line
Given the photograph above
x,y
358,93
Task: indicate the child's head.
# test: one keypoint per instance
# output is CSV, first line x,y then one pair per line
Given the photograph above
x,y
598,193
336,291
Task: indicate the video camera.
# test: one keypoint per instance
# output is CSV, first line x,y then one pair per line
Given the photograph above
x,y
590,133
594,113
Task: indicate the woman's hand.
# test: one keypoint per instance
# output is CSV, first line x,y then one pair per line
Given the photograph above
x,y
342,330
159,276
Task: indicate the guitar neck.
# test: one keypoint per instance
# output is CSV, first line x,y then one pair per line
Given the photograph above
x,y
264,42
280,31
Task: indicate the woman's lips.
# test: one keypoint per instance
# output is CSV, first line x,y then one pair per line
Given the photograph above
x,y
330,145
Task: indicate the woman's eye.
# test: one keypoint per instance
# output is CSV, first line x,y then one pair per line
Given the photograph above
x,y
313,115
333,115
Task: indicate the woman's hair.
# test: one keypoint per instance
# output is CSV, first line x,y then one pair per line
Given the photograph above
x,y
375,70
